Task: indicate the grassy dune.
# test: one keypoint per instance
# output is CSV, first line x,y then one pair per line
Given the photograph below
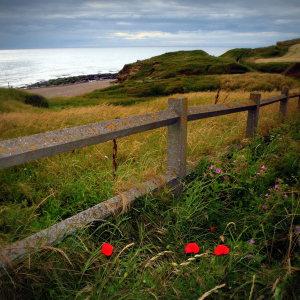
x,y
293,55
12,99
134,92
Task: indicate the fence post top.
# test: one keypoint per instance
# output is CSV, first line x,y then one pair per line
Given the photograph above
x,y
178,103
256,97
178,100
285,90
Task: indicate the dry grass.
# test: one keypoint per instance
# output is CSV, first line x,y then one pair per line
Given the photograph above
x,y
255,81
293,55
143,155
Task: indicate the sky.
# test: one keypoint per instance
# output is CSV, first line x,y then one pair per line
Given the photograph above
x,y
153,23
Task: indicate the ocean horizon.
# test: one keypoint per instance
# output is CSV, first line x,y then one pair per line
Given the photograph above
x,y
21,67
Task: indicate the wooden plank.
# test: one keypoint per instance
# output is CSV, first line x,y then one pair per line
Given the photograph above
x,y
294,95
271,100
23,149
57,232
208,111
177,139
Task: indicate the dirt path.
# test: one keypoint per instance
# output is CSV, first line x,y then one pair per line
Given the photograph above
x,y
293,55
71,90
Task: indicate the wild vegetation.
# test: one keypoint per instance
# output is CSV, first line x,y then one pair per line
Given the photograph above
x,y
293,55
133,92
272,59
9,97
252,204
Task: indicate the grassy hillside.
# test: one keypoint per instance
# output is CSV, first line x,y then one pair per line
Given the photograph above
x,y
272,59
173,64
251,206
293,55
135,91
188,71
243,54
11,99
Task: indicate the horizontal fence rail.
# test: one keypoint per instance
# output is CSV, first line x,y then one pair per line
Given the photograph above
x,y
208,111
24,149
98,212
20,150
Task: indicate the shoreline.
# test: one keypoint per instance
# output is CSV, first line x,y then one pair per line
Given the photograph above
x,y
70,89
71,86
70,80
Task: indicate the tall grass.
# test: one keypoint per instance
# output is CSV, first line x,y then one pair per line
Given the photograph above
x,y
8,95
38,194
137,91
250,208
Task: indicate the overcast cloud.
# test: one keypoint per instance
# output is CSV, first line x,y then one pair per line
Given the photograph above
x,y
115,23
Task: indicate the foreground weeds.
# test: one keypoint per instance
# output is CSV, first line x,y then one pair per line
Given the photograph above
x,y
247,198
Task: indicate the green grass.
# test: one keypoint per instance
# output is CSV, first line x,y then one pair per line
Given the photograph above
x,y
243,54
247,56
244,202
10,94
186,71
173,64
135,91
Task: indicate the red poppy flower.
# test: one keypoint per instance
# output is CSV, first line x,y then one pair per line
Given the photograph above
x,y
191,248
221,250
107,249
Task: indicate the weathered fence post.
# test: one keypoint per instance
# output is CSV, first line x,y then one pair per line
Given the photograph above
x,y
177,139
284,103
253,115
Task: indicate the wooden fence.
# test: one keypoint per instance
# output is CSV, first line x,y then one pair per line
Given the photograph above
x,y
24,149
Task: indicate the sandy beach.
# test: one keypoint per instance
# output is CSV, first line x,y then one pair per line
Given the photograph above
x,y
71,90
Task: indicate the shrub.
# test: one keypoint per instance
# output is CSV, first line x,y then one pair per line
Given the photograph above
x,y
35,100
11,94
270,67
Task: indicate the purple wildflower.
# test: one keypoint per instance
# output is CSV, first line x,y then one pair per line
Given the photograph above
x,y
218,171
251,241
276,187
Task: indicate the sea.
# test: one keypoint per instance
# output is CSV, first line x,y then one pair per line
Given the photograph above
x,y
22,67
